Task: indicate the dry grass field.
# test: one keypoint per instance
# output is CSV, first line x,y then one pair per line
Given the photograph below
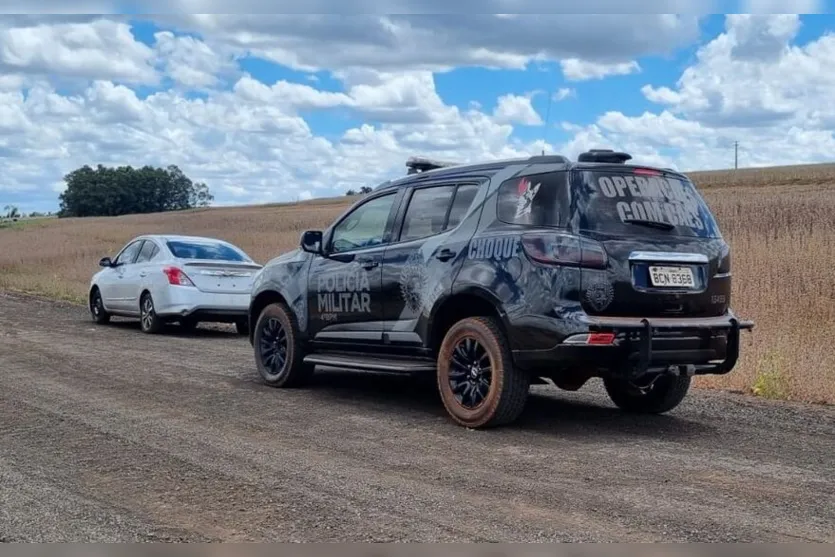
x,y
780,223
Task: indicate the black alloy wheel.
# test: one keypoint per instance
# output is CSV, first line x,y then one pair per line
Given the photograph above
x,y
471,373
273,346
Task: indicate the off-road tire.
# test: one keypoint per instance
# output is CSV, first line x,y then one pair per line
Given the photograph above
x,y
294,372
149,322
242,327
666,393
509,387
97,311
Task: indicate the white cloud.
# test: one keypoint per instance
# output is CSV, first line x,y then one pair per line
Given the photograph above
x,y
98,49
581,70
250,140
752,76
437,42
516,109
190,62
564,93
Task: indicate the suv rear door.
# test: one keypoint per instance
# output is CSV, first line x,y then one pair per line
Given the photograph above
x,y
665,254
419,265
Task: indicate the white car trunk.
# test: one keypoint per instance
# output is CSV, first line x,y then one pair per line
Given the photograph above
x,y
221,277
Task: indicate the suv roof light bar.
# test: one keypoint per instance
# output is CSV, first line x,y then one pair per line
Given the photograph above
x,y
604,155
422,164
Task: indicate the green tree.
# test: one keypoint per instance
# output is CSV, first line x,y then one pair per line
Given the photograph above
x,y
125,190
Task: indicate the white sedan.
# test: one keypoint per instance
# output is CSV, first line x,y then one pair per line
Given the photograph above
x,y
165,278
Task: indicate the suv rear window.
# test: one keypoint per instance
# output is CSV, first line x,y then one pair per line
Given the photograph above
x,y
642,202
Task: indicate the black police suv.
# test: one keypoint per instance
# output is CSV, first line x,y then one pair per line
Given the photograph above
x,y
497,275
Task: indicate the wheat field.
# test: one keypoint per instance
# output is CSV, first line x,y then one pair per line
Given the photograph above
x,y
780,223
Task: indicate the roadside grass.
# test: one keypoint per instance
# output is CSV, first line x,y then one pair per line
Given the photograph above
x,y
780,224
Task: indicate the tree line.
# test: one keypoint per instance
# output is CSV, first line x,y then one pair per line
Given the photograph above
x,y
124,190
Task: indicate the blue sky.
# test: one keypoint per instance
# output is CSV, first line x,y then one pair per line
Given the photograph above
x,y
268,108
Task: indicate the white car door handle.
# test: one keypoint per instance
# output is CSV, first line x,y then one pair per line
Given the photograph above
x,y
143,274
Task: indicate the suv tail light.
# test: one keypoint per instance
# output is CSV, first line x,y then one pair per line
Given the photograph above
x,y
177,277
564,249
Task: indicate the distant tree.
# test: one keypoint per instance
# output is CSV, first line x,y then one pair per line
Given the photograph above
x,y
11,212
363,191
126,190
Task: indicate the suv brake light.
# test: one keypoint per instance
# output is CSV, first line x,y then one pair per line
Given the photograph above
x,y
647,172
177,277
564,249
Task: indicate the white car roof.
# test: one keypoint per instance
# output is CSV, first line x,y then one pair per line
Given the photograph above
x,y
183,238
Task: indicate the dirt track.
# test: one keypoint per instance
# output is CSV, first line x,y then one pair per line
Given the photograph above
x,y
107,434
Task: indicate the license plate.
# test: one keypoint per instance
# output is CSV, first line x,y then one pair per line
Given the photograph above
x,y
674,277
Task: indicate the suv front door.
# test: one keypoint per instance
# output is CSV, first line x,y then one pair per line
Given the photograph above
x,y
345,286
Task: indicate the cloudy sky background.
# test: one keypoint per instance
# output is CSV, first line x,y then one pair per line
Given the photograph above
x,y
269,108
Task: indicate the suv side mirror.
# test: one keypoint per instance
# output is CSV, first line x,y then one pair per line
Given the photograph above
x,y
105,262
311,241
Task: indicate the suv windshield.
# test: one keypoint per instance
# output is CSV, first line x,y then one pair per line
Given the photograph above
x,y
641,202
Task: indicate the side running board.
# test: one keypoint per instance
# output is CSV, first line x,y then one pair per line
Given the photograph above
x,y
371,363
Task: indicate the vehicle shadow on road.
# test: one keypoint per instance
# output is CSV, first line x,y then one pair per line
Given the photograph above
x,y
174,330
548,411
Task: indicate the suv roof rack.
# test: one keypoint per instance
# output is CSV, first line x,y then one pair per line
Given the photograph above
x,y
422,164
604,155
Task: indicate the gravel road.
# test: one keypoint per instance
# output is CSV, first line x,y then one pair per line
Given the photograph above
x,y
107,434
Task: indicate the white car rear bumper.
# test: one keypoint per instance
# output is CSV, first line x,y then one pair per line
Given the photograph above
x,y
185,301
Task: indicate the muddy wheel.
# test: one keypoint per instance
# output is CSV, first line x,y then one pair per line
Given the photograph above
x,y
279,355
663,395
149,321
478,383
97,311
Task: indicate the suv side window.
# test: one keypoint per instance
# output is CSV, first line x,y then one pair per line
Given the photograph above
x,y
148,251
532,200
464,197
364,227
129,253
427,211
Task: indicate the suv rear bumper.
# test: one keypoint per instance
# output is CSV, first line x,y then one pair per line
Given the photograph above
x,y
709,344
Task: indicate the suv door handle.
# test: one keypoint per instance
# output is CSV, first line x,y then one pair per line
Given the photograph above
x,y
143,274
368,263
445,255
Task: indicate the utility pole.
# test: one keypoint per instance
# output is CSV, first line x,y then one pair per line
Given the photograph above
x,y
736,155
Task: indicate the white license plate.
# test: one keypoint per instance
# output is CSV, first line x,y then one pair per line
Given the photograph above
x,y
673,277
